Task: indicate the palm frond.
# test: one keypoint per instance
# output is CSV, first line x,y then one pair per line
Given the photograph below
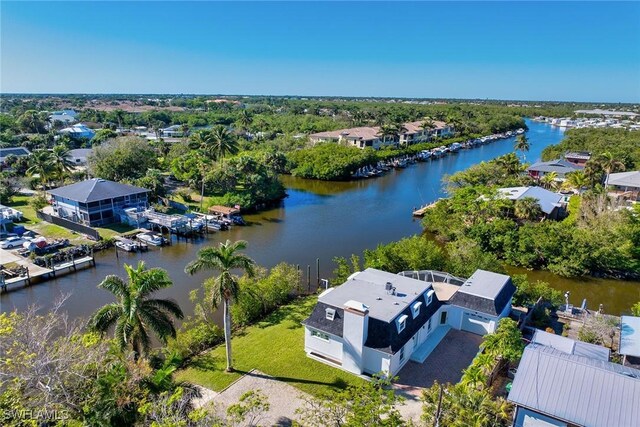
x,y
105,317
165,305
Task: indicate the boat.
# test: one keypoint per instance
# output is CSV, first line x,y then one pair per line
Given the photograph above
x,y
126,245
151,239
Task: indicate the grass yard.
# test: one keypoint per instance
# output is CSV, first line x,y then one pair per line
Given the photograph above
x,y
274,346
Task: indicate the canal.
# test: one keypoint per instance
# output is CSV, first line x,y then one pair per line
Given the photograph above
x,y
320,220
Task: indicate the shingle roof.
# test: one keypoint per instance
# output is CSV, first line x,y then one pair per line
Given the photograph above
x,y
485,292
95,189
577,389
318,319
368,287
624,179
548,200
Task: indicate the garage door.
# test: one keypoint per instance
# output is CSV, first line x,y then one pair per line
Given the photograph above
x,y
475,323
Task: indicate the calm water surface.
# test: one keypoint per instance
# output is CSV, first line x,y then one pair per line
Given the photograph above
x,y
320,220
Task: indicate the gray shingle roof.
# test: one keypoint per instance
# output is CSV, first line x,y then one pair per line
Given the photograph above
x,y
577,389
485,292
13,151
318,319
548,200
624,179
95,189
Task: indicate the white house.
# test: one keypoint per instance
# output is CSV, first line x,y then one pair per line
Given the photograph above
x,y
65,117
79,156
78,131
377,321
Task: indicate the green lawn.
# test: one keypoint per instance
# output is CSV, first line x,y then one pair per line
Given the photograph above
x,y
275,347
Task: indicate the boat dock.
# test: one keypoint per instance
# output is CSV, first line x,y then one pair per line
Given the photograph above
x,y
26,271
421,211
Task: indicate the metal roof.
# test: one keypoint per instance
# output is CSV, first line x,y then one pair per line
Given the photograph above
x,y
13,151
548,200
368,287
624,179
485,284
630,336
577,389
569,346
93,190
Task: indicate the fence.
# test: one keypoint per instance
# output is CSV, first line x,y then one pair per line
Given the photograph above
x,y
69,224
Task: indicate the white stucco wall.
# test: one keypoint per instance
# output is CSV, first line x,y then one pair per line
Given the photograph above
x,y
331,348
373,360
354,335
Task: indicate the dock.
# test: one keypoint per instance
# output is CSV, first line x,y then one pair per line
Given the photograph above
x,y
421,211
31,271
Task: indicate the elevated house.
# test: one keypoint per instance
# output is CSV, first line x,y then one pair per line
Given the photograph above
x,y
579,158
367,136
565,383
551,204
96,201
561,167
377,321
624,185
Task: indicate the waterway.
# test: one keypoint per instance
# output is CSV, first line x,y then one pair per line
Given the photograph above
x,y
320,220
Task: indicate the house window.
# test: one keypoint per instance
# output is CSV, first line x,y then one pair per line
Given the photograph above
x,y
319,335
402,323
443,317
429,325
430,296
402,354
330,313
415,309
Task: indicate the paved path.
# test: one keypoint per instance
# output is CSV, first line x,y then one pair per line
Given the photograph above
x,y
283,398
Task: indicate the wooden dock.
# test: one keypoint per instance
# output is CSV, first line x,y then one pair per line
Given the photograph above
x,y
421,211
33,271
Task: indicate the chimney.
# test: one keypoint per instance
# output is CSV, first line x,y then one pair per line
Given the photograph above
x,y
354,334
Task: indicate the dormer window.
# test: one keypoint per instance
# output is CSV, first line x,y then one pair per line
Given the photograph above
x,y
430,296
330,313
402,322
415,309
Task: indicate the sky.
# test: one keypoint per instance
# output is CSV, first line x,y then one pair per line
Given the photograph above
x,y
574,51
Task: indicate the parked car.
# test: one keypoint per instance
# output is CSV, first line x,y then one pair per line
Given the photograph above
x,y
12,242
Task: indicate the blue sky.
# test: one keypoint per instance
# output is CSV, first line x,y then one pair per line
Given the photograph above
x,y
583,51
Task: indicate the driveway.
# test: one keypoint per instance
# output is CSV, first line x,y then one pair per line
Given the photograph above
x,y
445,365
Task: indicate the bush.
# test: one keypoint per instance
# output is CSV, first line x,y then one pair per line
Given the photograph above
x,y
528,293
194,337
38,201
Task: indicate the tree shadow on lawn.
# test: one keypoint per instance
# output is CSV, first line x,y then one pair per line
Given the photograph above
x,y
207,362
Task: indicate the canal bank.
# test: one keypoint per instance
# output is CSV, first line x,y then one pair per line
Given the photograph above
x,y
319,219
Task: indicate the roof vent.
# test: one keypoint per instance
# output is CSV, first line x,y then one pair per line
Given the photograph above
x,y
388,286
396,303
379,299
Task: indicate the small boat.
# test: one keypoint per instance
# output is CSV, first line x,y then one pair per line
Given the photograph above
x,y
126,245
150,238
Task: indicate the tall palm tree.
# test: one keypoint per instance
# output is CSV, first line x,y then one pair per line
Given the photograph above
x,y
41,164
223,143
510,164
225,287
609,164
202,142
244,120
522,145
527,208
61,160
135,313
387,130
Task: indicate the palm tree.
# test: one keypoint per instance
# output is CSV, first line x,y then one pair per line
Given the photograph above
x,y
225,287
223,143
387,130
134,313
522,144
609,164
550,180
244,120
577,180
527,208
474,377
61,160
510,163
41,164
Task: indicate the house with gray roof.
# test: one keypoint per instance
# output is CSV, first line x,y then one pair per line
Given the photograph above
x,y
96,201
560,167
377,321
13,151
555,387
624,185
551,204
79,156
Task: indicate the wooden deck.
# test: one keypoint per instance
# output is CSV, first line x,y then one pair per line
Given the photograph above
x,y
37,272
421,211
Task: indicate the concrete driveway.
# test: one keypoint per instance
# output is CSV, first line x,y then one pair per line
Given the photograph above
x,y
445,365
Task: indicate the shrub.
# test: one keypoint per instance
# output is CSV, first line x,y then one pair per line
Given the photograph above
x,y
38,202
194,337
